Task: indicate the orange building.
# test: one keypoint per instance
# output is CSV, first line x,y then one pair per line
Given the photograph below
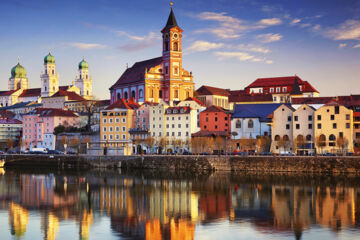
x,y
158,78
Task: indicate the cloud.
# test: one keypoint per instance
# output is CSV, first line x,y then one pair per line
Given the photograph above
x,y
241,56
349,30
202,46
231,27
342,45
139,42
269,37
316,28
357,46
295,21
86,46
253,48
270,21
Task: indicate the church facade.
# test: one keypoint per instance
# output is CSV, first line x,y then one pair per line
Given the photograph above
x,y
161,78
18,85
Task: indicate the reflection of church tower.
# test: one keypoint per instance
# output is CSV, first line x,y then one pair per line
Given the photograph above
x,y
85,223
84,81
50,225
18,220
49,79
18,79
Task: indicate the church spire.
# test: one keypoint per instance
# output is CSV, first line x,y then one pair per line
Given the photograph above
x,y
171,22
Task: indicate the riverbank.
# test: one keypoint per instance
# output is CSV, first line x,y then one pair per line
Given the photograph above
x,y
192,164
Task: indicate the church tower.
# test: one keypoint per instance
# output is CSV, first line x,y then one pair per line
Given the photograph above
x,y
84,81
18,79
49,78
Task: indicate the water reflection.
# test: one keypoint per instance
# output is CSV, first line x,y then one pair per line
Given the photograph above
x,y
138,207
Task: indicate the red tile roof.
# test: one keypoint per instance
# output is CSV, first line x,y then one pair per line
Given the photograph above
x,y
137,72
311,100
10,121
207,90
195,100
123,104
53,112
177,110
347,101
72,96
6,114
7,93
282,81
214,108
31,92
251,98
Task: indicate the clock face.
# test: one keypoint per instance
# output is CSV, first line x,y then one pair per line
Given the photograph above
x,y
175,36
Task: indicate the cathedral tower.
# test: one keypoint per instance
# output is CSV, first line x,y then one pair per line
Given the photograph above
x,y
49,78
18,79
84,81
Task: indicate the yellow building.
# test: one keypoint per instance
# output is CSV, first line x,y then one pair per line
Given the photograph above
x,y
334,129
115,122
158,78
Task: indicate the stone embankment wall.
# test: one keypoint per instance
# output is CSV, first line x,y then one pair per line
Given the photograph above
x,y
195,164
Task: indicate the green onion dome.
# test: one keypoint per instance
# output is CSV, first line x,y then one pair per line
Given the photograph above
x,y
18,71
49,59
83,64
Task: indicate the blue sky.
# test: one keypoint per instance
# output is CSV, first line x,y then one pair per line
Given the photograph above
x,y
225,43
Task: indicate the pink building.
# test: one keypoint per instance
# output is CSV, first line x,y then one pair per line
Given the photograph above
x,y
142,115
39,124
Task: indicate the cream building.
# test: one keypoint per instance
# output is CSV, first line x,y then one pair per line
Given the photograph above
x,y
282,130
157,121
334,121
194,104
303,130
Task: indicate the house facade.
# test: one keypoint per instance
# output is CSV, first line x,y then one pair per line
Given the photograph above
x,y
212,96
215,119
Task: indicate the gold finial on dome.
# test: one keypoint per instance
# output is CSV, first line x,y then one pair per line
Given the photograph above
x,y
19,59
171,4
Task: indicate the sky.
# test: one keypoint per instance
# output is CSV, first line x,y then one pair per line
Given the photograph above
x,y
226,44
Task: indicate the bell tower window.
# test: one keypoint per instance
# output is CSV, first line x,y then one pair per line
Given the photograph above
x,y
176,46
166,45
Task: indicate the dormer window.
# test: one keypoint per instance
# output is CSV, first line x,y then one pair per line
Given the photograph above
x,y
168,111
175,111
271,90
284,89
182,110
277,89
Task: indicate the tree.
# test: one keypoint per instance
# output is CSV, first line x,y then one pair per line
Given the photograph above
x,y
74,143
219,144
150,142
163,143
263,144
320,142
59,129
342,143
89,107
63,142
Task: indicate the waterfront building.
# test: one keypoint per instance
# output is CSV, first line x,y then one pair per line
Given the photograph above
x,y
244,98
10,132
215,119
213,96
194,104
282,89
248,121
39,124
115,122
334,128
157,120
59,99
161,78
282,129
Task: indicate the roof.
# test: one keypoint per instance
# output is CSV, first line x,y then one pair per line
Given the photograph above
x,y
311,100
208,90
177,110
31,92
123,104
72,96
9,121
260,111
7,93
6,114
347,101
137,72
282,81
171,22
195,100
207,133
52,112
214,108
251,98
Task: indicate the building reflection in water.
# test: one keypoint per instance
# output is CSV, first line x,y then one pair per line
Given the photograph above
x,y
153,209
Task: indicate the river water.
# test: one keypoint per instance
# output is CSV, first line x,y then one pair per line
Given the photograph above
x,y
151,205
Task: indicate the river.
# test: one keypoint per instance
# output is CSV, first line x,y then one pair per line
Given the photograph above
x,y
152,205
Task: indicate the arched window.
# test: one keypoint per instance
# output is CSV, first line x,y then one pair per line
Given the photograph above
x,y
133,94
286,138
250,124
332,140
166,45
151,93
176,46
308,137
126,95
300,138
118,96
176,93
187,94
238,124
141,93
277,138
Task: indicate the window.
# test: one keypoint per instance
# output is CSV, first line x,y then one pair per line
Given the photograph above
x,y
124,129
332,117
310,126
216,119
176,93
284,89
215,126
110,120
297,126
238,124
110,136
104,129
167,134
274,99
187,134
207,119
117,129
167,125
250,123
187,125
289,118
277,89
123,136
110,129
296,118
179,134
310,117
123,120
117,137
319,117
337,110
319,126
176,46
104,121
334,126
347,125
308,137
271,90
173,125
173,134
332,140
347,116
287,126
179,125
